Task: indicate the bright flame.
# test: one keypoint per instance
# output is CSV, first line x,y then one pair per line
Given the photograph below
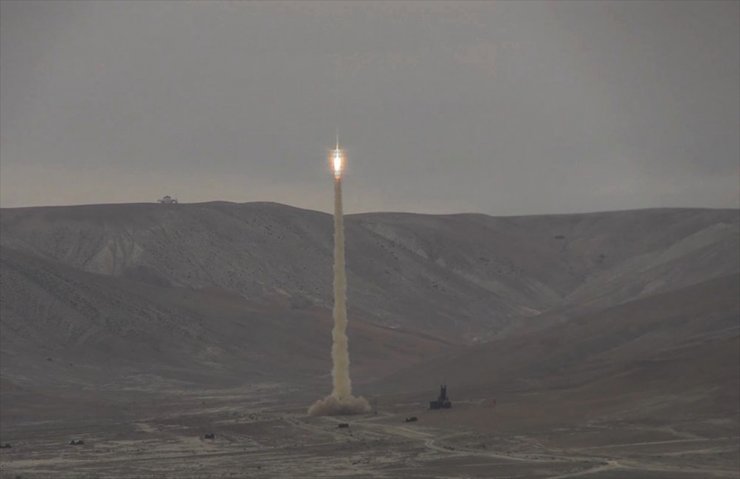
x,y
337,158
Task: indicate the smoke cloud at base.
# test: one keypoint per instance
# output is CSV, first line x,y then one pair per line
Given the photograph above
x,y
334,406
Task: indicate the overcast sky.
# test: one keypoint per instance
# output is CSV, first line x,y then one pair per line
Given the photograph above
x,y
501,108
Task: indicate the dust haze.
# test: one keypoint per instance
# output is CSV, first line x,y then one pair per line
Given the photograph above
x,y
528,107
541,214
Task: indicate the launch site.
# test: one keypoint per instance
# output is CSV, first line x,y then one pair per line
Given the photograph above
x,y
360,239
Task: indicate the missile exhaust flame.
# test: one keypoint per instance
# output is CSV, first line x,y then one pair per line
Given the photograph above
x,y
337,162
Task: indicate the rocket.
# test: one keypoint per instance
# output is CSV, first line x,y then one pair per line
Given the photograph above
x,y
337,158
341,400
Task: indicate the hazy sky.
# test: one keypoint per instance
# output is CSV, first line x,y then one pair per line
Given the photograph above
x,y
502,108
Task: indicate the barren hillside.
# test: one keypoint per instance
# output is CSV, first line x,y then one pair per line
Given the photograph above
x,y
461,276
614,330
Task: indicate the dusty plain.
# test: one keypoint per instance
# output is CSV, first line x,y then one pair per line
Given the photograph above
x,y
264,432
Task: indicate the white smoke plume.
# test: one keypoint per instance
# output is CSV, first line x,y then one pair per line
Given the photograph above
x,y
333,406
340,401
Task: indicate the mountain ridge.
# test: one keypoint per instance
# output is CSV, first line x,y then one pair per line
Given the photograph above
x,y
489,269
229,280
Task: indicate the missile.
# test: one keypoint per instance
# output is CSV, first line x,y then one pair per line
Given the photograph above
x,y
337,158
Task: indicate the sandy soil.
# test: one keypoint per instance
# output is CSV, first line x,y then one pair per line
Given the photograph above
x,y
258,435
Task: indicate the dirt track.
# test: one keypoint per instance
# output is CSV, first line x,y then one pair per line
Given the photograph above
x,y
272,441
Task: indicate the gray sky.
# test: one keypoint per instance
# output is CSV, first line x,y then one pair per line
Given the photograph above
x,y
500,108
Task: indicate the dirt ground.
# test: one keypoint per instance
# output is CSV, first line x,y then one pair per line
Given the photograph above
x,y
260,433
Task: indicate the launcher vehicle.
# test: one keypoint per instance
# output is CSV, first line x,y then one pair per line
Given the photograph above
x,y
442,402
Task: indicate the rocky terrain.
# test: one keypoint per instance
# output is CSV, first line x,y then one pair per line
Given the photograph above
x,y
590,345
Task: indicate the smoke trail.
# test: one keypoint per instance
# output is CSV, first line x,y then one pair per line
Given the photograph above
x,y
339,349
340,401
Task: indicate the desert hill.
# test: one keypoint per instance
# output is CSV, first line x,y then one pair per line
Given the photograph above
x,y
224,293
613,344
70,325
458,276
625,322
